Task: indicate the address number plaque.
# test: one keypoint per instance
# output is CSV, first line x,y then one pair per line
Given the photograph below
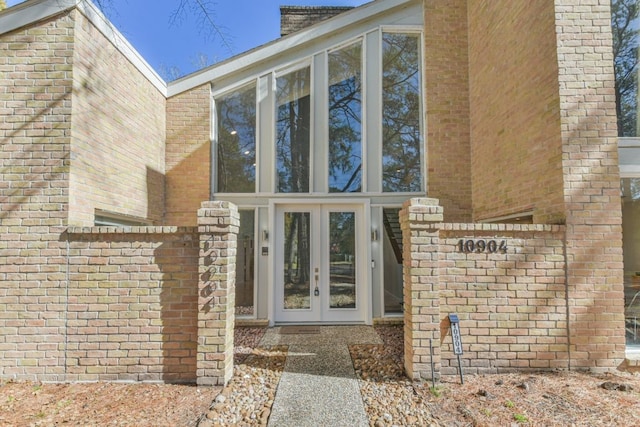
x,y
481,245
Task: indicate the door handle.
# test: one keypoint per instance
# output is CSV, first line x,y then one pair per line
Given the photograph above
x,y
316,291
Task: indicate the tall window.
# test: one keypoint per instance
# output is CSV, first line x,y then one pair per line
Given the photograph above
x,y
245,263
401,156
293,130
345,119
624,24
631,251
236,162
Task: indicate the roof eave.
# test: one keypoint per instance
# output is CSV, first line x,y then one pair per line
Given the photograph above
x,y
280,45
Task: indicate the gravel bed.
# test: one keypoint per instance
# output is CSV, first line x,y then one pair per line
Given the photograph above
x,y
388,395
391,399
248,397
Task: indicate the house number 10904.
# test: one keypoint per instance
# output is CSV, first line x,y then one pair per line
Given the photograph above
x,y
491,246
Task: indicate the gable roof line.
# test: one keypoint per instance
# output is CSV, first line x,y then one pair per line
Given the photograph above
x,y
32,11
280,45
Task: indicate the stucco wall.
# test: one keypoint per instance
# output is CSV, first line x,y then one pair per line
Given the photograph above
x,y
515,118
118,129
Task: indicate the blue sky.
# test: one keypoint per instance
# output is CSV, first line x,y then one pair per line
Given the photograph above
x,y
244,23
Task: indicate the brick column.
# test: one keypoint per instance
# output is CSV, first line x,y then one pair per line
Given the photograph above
x,y
418,219
592,184
218,224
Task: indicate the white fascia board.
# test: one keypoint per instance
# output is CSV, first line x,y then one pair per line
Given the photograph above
x,y
33,11
282,44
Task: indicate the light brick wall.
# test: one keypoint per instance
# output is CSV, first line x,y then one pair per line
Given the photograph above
x,y
188,155
419,219
118,126
512,305
131,310
515,120
446,75
218,225
592,183
35,106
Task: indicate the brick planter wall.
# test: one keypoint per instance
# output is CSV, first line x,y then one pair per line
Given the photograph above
x,y
131,309
509,293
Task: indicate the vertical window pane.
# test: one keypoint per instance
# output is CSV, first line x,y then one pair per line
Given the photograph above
x,y
245,264
625,22
342,258
345,119
293,98
236,114
631,251
401,99
392,255
297,258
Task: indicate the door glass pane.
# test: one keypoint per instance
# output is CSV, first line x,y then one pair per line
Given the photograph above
x,y
345,120
342,257
245,264
401,158
236,154
631,251
392,256
297,234
293,131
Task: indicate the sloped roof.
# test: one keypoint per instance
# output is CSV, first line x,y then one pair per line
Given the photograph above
x,y
32,11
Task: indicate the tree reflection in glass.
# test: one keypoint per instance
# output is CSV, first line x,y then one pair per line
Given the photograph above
x,y
236,124
345,119
342,258
401,164
293,130
297,258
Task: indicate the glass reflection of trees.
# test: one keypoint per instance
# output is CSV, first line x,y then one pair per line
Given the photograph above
x,y
236,162
297,258
345,119
342,256
401,165
293,131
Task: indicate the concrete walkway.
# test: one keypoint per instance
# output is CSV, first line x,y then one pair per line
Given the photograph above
x,y
318,386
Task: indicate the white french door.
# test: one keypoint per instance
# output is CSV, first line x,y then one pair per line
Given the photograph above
x,y
319,270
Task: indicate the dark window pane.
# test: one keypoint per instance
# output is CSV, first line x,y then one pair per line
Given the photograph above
x,y
345,119
236,162
293,131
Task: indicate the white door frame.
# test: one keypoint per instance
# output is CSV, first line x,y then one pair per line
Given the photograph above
x,y
363,244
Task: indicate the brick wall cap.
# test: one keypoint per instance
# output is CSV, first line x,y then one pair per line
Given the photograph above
x,y
130,230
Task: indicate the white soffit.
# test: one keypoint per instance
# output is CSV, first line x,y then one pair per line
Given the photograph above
x,y
280,45
33,11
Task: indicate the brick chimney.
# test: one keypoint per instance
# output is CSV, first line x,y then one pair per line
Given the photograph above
x,y
294,18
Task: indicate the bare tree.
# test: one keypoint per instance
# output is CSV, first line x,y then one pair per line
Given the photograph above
x,y
202,10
